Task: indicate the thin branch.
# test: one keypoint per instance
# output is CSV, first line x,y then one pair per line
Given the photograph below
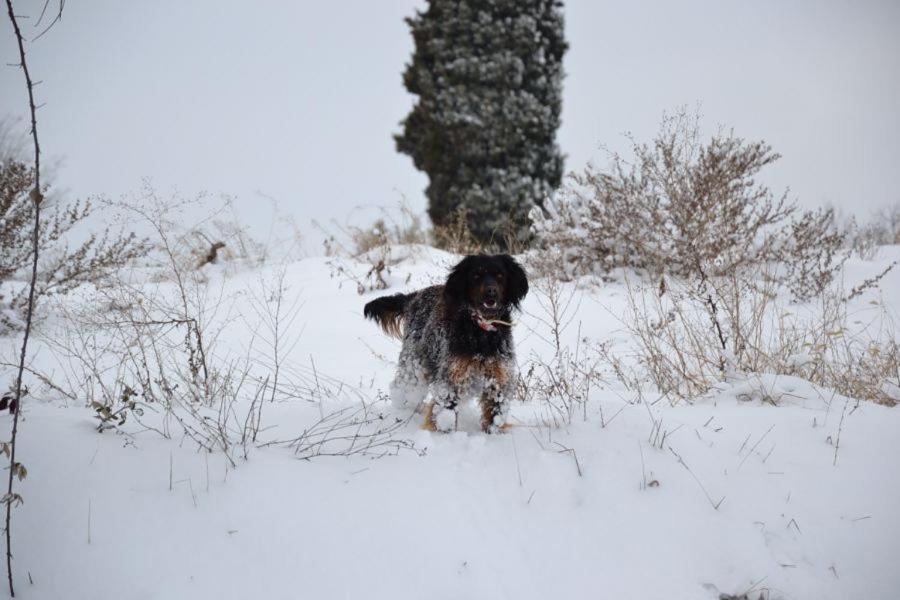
x,y
56,19
36,197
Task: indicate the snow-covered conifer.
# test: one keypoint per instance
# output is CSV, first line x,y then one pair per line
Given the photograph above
x,y
488,76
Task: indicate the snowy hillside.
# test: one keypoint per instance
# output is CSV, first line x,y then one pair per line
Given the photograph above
x,y
794,496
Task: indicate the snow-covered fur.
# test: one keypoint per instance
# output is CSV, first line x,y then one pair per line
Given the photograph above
x,y
457,342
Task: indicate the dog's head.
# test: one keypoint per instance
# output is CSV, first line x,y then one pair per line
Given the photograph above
x,y
490,285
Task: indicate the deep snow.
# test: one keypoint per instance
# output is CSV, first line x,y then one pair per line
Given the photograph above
x,y
578,511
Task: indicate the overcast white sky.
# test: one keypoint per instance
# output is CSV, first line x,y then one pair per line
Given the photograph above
x,y
298,100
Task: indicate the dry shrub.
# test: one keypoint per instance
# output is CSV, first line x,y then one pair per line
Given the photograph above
x,y
388,241
401,226
699,333
378,263
14,142
151,356
396,226
561,378
811,252
881,229
63,267
680,206
456,236
188,234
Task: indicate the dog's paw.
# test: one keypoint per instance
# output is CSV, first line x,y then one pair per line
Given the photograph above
x,y
444,419
428,424
498,428
438,418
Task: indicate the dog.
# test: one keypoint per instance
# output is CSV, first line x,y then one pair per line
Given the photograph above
x,y
457,341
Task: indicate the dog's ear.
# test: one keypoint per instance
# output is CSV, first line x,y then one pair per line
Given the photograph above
x,y
517,280
455,292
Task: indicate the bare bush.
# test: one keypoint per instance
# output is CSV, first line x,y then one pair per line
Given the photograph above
x,y
147,354
387,231
388,241
189,233
561,384
882,228
14,142
678,206
700,333
151,357
456,236
363,429
62,267
812,253
396,226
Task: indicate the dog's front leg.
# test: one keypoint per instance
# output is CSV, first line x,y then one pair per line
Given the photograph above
x,y
443,414
494,402
410,384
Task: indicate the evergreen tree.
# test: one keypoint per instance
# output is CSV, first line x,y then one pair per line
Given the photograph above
x,y
488,76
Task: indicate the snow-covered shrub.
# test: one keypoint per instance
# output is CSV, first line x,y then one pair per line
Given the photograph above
x,y
570,235
680,206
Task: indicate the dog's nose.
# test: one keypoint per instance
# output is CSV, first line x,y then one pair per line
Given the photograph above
x,y
491,292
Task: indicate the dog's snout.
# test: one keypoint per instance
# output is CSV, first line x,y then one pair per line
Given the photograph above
x,y
492,291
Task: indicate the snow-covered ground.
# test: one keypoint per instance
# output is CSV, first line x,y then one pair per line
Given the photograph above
x,y
740,497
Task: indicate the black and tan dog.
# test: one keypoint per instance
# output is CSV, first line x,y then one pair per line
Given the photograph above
x,y
457,342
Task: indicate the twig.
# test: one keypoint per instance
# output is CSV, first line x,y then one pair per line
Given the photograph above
x,y
574,457
837,442
714,504
713,313
753,586
643,468
516,455
758,442
57,18
43,379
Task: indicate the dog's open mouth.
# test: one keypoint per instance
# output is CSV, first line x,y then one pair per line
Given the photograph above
x,y
488,319
490,304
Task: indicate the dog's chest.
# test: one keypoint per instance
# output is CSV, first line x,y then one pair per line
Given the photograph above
x,y
473,372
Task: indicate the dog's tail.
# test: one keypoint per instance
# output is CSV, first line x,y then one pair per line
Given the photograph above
x,y
387,311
